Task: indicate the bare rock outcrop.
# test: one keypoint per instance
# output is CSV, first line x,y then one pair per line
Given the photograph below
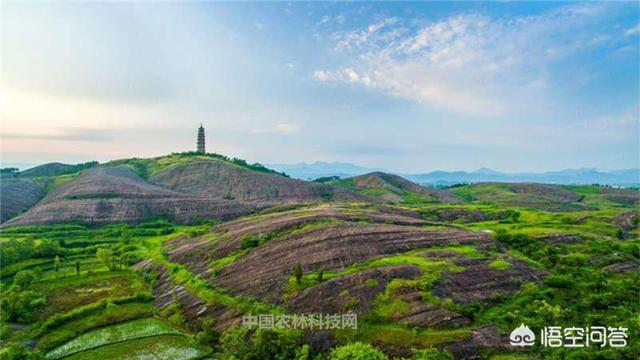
x,y
627,221
480,282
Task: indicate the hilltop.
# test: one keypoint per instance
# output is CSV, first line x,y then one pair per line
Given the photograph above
x,y
183,187
391,188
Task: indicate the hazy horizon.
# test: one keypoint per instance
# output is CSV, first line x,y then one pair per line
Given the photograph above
x,y
515,87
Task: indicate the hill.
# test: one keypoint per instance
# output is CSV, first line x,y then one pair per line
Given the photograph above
x,y
18,195
392,188
183,187
55,169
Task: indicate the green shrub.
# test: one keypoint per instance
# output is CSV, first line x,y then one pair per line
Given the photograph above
x,y
248,242
20,305
357,351
208,336
559,281
25,278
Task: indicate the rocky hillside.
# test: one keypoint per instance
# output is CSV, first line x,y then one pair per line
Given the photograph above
x,y
183,188
220,180
111,194
370,258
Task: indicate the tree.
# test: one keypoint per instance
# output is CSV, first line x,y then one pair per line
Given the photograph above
x,y
78,267
320,275
297,272
104,256
357,351
113,258
56,265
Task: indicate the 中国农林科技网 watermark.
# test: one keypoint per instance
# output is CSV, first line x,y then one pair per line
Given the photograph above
x,y
571,337
301,321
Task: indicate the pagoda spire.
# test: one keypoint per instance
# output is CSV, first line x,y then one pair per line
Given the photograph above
x,y
201,149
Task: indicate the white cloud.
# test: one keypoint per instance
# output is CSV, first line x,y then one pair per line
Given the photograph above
x,y
469,63
283,128
633,30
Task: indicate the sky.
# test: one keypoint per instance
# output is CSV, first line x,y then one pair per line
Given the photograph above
x,y
406,86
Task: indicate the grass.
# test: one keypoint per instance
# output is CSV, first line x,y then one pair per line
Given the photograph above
x,y
500,264
156,347
130,330
468,251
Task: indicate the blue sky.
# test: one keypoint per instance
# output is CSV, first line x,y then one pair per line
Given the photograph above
x,y
410,87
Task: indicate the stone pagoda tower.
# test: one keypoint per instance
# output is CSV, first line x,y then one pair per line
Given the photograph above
x,y
201,149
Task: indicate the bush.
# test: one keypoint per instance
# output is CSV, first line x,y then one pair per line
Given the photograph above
x,y
248,242
208,336
357,351
20,305
559,281
24,278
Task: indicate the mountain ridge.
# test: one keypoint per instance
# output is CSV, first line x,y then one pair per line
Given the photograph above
x,y
585,175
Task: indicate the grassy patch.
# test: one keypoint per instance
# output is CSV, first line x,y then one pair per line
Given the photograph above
x,y
70,292
500,264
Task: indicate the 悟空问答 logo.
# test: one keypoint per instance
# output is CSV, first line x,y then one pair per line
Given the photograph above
x,y
522,336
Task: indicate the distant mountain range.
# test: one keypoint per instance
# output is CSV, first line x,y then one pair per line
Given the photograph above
x,y
570,176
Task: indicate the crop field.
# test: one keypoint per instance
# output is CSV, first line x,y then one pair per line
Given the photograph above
x,y
121,332
163,347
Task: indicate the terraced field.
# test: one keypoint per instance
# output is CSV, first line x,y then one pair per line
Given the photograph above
x,y
119,333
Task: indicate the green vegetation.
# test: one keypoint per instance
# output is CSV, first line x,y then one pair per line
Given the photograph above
x,y
357,350
500,264
151,166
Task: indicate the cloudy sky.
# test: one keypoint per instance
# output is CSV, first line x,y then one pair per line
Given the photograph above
x,y
406,86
